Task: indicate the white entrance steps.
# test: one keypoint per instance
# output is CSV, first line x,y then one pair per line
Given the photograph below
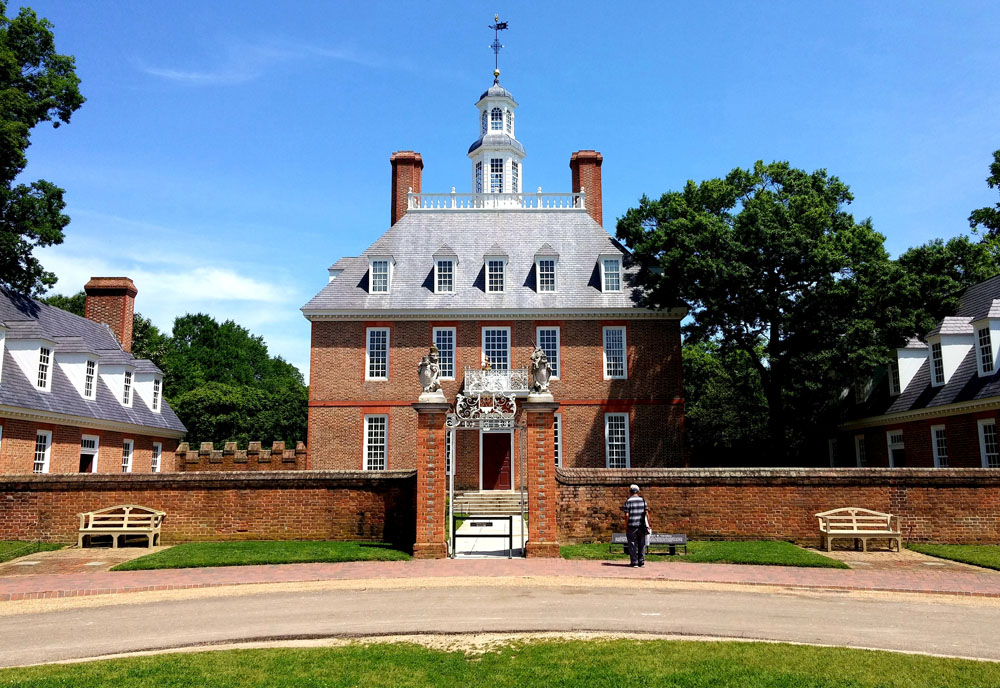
x,y
499,502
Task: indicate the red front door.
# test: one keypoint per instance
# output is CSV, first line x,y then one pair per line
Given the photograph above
x,y
496,460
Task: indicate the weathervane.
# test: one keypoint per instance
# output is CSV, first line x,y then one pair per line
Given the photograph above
x,y
496,45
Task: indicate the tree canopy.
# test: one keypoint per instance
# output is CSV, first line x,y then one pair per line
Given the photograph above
x,y
987,220
37,85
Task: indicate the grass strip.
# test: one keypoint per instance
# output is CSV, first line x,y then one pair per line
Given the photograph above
x,y
762,552
576,663
245,553
12,549
987,556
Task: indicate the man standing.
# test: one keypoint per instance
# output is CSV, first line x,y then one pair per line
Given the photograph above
x,y
635,530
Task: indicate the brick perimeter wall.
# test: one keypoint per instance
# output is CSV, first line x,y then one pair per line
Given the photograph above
x,y
940,505
271,505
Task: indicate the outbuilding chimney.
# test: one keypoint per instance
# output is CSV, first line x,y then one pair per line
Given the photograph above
x,y
586,168
406,170
111,300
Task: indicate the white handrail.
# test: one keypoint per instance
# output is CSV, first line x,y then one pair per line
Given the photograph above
x,y
497,201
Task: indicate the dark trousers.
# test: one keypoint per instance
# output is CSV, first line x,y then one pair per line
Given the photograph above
x,y
636,536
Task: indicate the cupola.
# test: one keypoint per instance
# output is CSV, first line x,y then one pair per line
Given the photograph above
x,y
497,156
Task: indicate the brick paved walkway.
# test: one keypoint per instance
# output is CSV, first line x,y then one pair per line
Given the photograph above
x,y
974,582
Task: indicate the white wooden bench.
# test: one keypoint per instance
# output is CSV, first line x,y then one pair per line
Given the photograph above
x,y
858,524
127,519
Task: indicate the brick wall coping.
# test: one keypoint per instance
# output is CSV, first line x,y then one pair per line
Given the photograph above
x,y
202,479
685,477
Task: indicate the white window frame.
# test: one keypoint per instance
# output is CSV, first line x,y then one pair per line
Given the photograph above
x,y
890,444
366,458
449,451
555,274
438,275
509,122
90,379
982,424
128,457
503,274
555,362
496,178
557,437
479,176
485,118
984,352
156,462
515,176
97,449
368,352
128,381
371,275
496,119
43,381
157,400
604,274
604,351
860,451
894,382
937,365
940,460
454,349
505,328
607,441
46,454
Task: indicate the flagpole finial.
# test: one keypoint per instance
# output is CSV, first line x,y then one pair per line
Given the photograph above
x,y
497,27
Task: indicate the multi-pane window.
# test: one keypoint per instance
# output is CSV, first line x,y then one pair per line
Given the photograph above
x,y
127,446
444,340
89,377
988,448
127,388
616,440
939,446
496,175
380,276
557,438
548,341
897,453
515,176
614,353
157,454
496,347
546,274
484,122
495,274
44,362
894,378
376,437
985,351
510,122
444,281
612,274
377,354
449,450
156,394
479,175
43,446
937,364
860,452
496,119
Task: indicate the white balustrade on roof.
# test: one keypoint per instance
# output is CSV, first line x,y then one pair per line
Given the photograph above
x,y
496,201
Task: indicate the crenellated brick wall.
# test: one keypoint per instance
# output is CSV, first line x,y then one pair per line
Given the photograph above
x,y
939,505
259,505
229,458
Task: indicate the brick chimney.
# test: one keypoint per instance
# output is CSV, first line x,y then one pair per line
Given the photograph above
x,y
586,168
111,300
406,169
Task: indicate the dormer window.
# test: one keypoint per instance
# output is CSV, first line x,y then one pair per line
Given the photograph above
x,y
380,274
44,366
496,119
937,365
495,269
156,395
90,379
546,269
127,389
985,348
444,276
894,386
611,274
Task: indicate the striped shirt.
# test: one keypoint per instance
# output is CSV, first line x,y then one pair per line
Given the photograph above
x,y
635,507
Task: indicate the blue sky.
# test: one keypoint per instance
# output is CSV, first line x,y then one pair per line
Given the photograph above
x,y
228,152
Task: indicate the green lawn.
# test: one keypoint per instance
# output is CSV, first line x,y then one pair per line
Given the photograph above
x,y
987,556
576,664
197,554
757,552
11,549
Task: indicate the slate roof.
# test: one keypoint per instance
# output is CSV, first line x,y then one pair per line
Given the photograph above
x,y
975,303
414,239
71,333
496,90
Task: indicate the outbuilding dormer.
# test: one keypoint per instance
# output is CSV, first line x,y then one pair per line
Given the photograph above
x,y
118,374
987,339
908,361
149,384
32,351
949,344
79,363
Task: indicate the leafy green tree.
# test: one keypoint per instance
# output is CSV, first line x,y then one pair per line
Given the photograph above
x,y
773,266
36,85
987,220
76,304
